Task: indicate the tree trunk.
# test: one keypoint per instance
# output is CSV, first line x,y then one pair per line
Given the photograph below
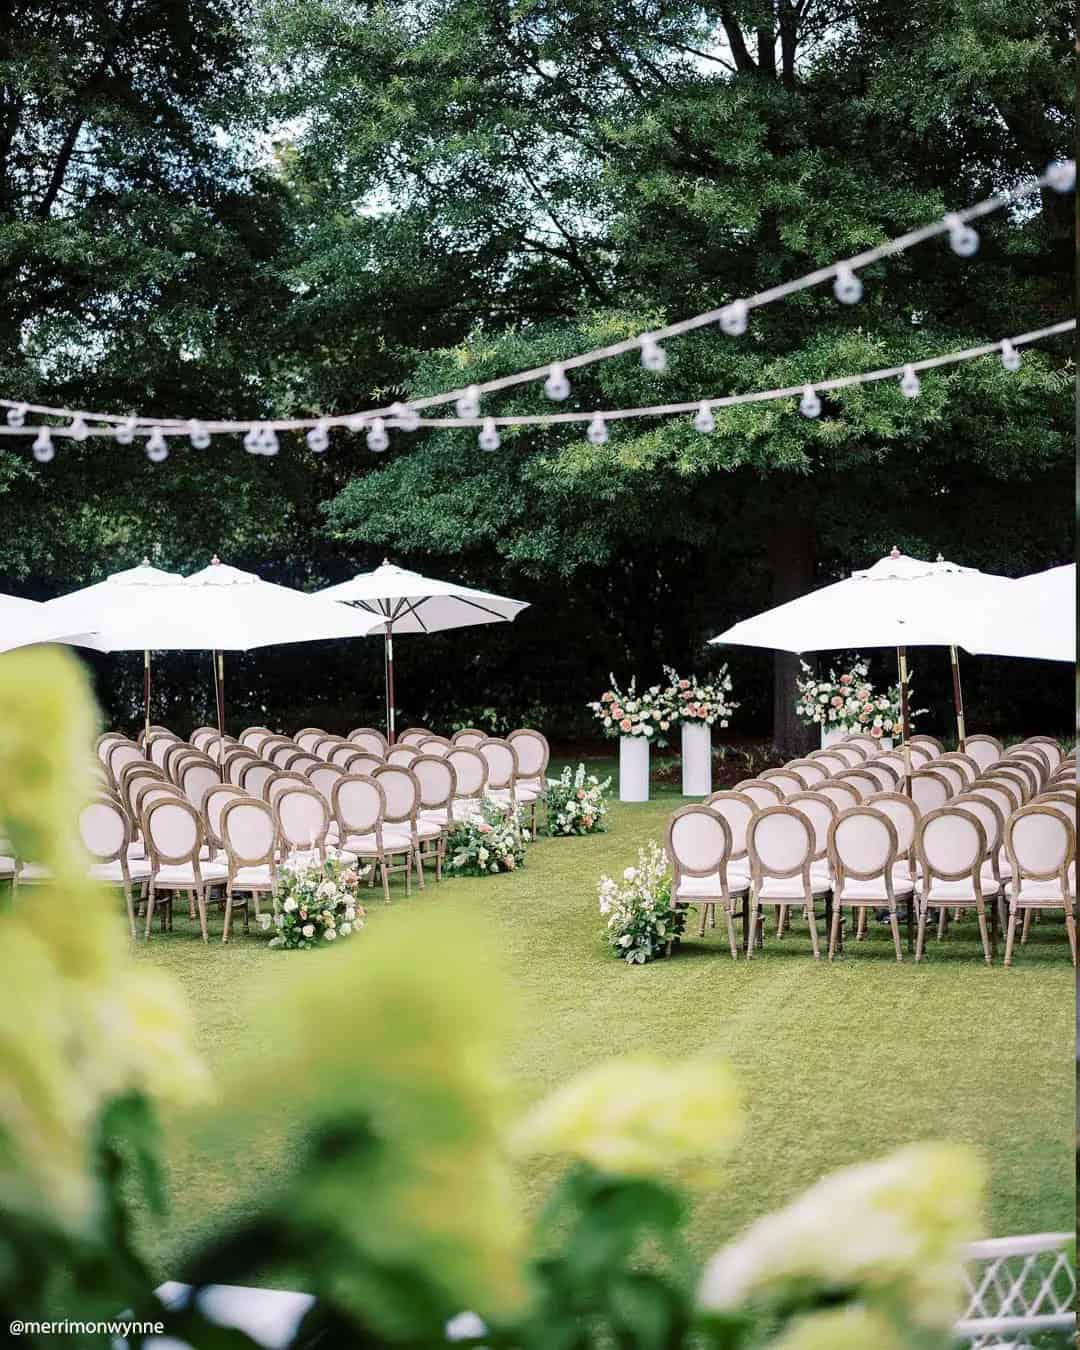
x,y
791,555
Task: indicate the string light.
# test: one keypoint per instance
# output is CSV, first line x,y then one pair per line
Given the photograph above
x,y
78,431
407,418
377,439
704,421
16,416
157,448
909,383
734,317
125,432
963,240
468,404
653,356
1010,357
489,435
198,435
356,423
557,386
847,287
268,441
318,438
43,447
810,404
1061,175
597,432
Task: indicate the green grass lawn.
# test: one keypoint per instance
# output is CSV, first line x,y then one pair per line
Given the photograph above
x,y
838,1063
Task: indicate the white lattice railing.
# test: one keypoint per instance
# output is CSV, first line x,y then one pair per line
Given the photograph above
x,y
1018,1287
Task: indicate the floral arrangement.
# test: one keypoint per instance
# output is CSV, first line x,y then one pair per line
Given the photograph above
x,y
698,702
633,714
640,919
576,802
847,702
317,902
493,840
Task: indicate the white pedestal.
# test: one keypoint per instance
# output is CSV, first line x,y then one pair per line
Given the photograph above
x,y
830,735
633,769
696,759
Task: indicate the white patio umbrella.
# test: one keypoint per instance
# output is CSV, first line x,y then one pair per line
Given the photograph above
x,y
217,609
900,602
24,622
406,602
1035,618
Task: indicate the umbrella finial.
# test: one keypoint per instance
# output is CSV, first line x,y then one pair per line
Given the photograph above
x,y
940,557
145,562
894,552
386,562
215,561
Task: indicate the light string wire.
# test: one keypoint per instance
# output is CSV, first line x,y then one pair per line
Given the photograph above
x,y
1001,346
732,316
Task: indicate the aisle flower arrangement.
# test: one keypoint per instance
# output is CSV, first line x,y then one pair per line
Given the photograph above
x,y
640,919
699,702
492,841
629,713
317,902
847,702
577,802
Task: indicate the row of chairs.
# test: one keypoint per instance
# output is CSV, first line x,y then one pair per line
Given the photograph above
x,y
832,840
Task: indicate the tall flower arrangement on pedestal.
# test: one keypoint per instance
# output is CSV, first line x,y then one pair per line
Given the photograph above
x,y
629,713
847,702
699,702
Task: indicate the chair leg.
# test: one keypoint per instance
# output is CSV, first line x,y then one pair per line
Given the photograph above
x,y
200,896
1070,928
704,915
894,924
151,898
755,912
228,914
860,925
811,918
781,919
1027,926
920,939
385,878
1011,933
980,910
730,931
130,910
419,866
834,932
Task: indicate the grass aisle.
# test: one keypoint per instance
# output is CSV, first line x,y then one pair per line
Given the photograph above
x,y
837,1063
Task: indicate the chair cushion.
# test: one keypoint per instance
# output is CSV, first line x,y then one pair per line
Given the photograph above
x,y
345,856
181,875
262,878
1044,892
366,846
137,849
34,872
708,888
138,870
954,892
7,867
789,890
428,829
872,890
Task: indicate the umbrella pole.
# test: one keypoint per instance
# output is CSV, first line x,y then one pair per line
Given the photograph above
x,y
958,698
146,696
905,726
390,709
219,692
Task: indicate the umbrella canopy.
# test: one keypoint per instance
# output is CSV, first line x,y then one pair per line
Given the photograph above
x,y
1036,618
23,622
401,601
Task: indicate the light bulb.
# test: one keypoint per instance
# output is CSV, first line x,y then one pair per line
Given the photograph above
x,y
704,421
125,432
377,439
318,438
16,416
557,386
733,318
268,441
1010,357
357,422
43,447
157,448
1061,175
78,429
909,383
597,432
251,441
653,356
847,287
407,418
468,403
489,435
198,435
809,404
963,240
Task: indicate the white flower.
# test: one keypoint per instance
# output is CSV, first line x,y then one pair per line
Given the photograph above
x,y
327,891
278,941
630,874
346,929
350,913
289,905
264,921
330,934
625,940
308,930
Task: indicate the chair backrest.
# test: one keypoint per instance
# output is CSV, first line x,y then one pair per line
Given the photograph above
x,y
470,736
951,844
781,843
302,762
105,743
104,830
179,756
437,745
307,738
840,793
341,754
904,814
830,762
136,770
196,779
1022,770
988,814
282,754
248,832
359,804
254,775
303,817
698,844
1065,802
271,745
501,759
324,777
761,791
850,753
786,779
470,770
863,783
362,762
234,761
921,755
157,745
1036,757
437,779
1049,747
1003,795
402,754
929,789
325,747
820,811
253,737
895,760
931,742
884,774
370,739
984,750
862,844
956,777
811,771
867,743
124,753
531,748
737,808
203,737
1040,841
173,832
149,792
214,802
278,782
401,789
414,736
